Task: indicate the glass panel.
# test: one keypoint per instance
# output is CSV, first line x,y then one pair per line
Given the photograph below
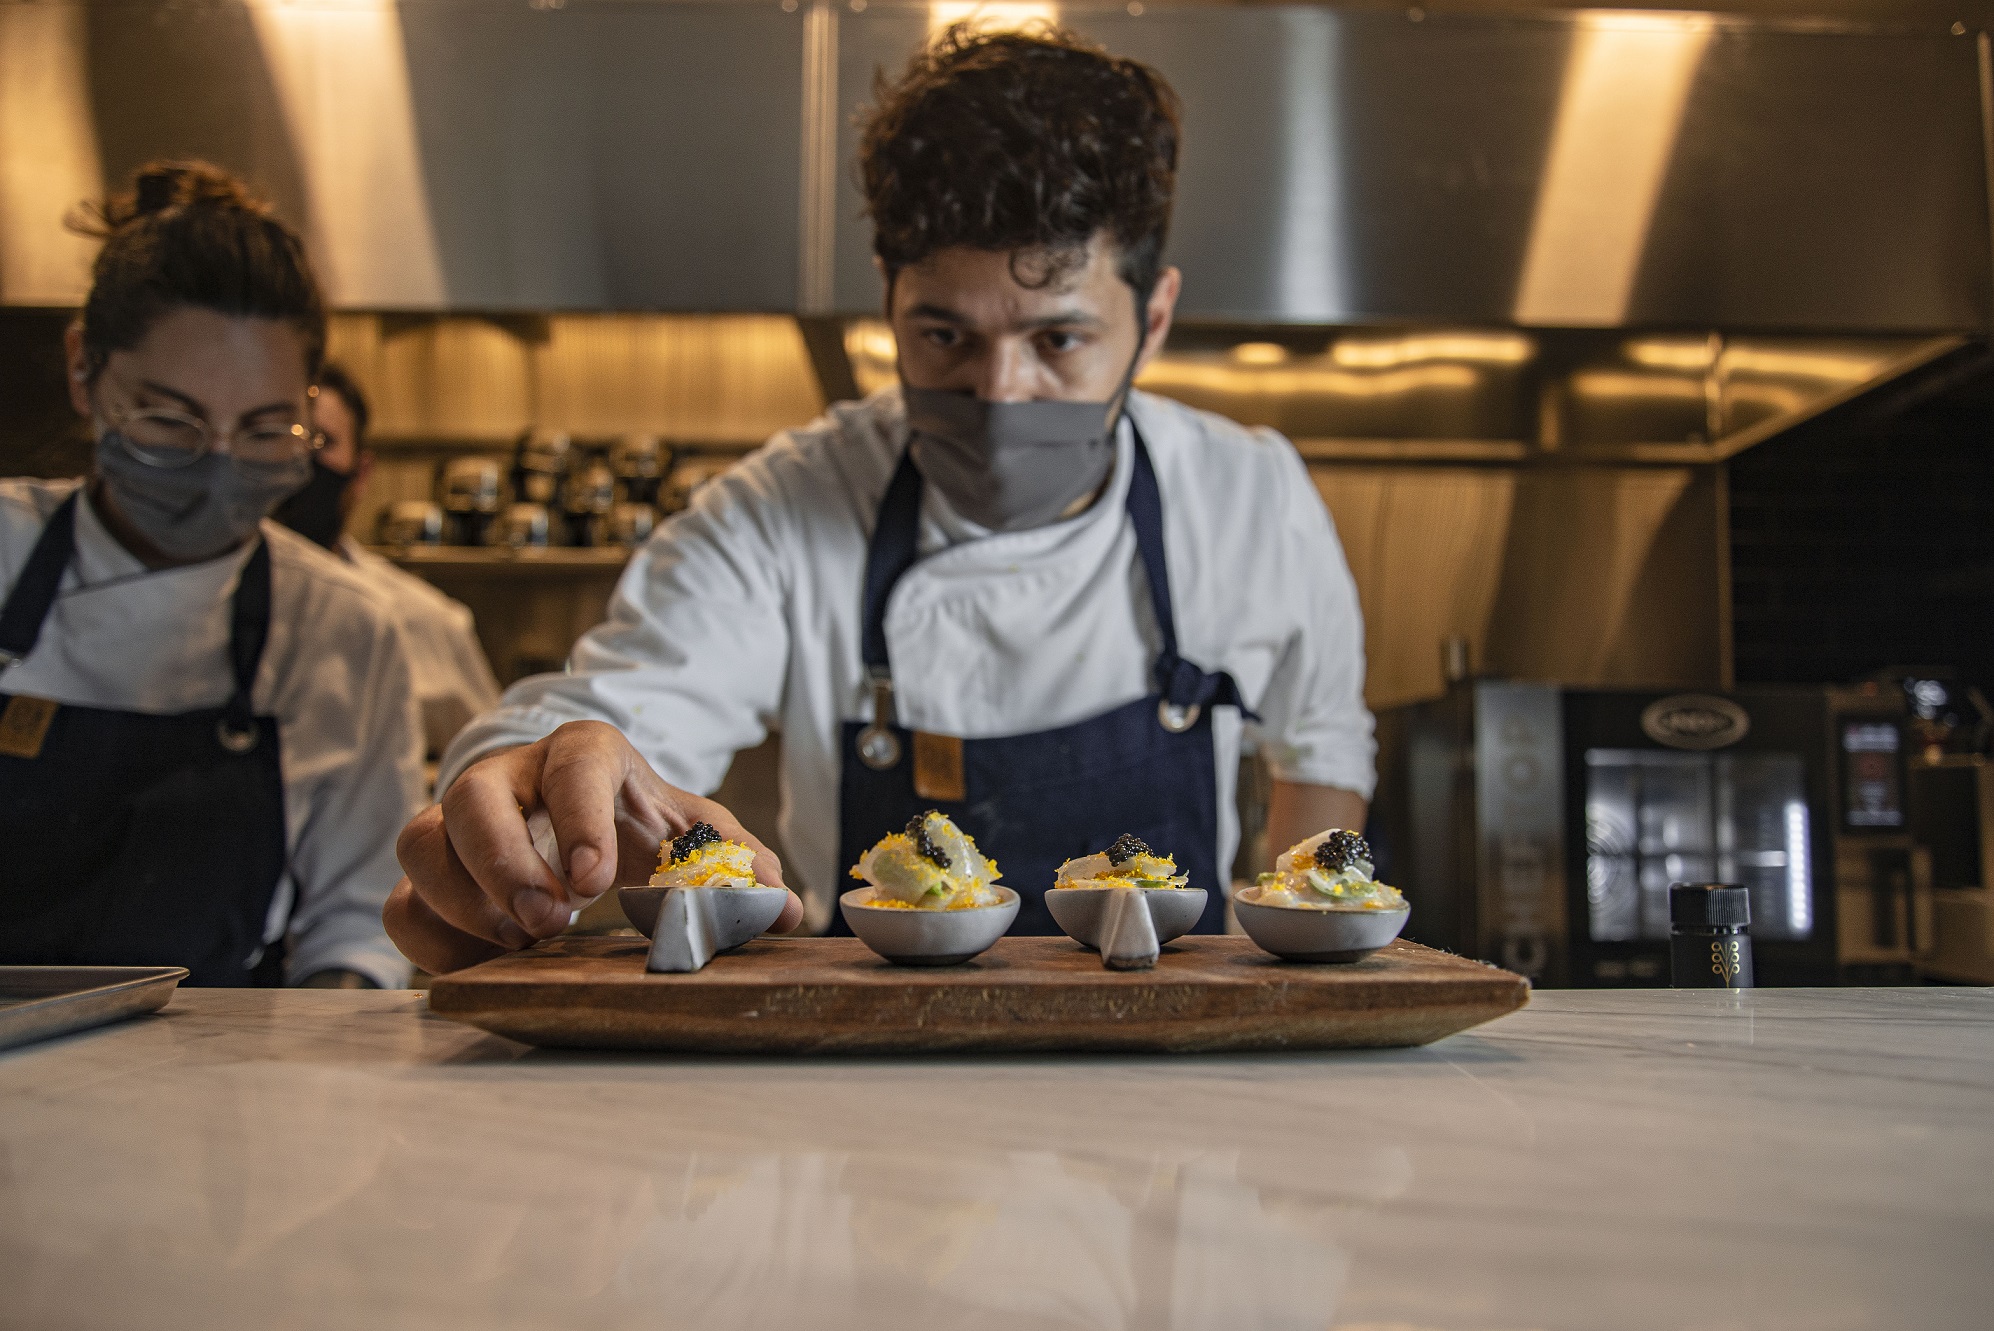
x,y
1612,866
1655,818
1763,816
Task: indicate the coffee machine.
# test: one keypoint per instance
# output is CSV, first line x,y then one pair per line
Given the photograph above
x,y
1539,827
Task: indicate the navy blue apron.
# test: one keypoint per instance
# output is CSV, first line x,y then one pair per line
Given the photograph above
x,y
1035,801
132,839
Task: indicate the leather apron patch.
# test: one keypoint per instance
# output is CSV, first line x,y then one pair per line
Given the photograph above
x,y
24,725
938,767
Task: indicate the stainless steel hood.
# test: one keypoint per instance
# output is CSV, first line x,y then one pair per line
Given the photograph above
x,y
1340,167
441,154
1590,169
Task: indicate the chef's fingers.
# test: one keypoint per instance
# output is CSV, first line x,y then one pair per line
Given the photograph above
x,y
484,812
586,764
447,891
430,941
768,869
792,915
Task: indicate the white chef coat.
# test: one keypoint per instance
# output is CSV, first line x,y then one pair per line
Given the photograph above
x,y
333,673
452,679
741,615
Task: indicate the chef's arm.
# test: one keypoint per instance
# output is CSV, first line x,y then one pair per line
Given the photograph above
x,y
476,885
689,667
1297,811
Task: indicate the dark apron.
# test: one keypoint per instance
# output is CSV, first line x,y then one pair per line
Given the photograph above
x,y
132,839
1035,801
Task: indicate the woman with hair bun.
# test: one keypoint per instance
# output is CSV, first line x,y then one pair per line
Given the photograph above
x,y
207,740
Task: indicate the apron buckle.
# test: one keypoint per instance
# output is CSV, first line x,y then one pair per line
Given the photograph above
x,y
1177,719
878,746
235,739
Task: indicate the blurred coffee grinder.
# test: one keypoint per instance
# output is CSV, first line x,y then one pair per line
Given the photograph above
x,y
586,499
471,499
408,522
521,526
540,465
631,524
640,462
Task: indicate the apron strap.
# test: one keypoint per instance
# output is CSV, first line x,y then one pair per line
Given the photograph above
x,y
1185,688
35,590
895,544
249,629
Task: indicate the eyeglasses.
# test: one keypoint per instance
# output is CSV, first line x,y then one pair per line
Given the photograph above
x,y
164,437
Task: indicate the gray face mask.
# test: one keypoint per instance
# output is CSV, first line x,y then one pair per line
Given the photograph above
x,y
201,510
1010,466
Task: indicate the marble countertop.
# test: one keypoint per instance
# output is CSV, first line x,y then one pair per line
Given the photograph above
x,y
1684,1160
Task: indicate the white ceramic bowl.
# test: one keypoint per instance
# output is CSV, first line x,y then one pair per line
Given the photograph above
x,y
927,937
1081,911
1295,933
689,926
641,904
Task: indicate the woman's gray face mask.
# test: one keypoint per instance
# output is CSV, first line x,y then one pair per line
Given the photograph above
x,y
1010,466
201,510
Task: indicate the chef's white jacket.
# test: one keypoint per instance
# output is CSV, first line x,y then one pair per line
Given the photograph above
x,y
447,667
741,616
334,674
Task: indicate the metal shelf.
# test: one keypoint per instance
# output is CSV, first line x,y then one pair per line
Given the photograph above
x,y
546,561
505,444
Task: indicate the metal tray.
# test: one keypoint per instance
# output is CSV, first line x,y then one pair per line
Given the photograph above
x,y
37,1002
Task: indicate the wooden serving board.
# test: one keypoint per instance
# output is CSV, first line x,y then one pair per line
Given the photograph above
x,y
833,995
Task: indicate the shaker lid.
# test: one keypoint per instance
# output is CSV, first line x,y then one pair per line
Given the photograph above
x,y
1709,903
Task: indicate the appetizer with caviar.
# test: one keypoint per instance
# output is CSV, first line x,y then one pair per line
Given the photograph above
x,y
933,865
1330,871
1128,863
701,857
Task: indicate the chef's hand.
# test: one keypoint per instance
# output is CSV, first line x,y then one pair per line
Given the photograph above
x,y
477,888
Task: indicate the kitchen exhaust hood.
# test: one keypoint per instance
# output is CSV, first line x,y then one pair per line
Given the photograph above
x,y
1340,167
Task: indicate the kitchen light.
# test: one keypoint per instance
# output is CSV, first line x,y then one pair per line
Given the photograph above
x,y
1664,353
1480,348
1260,353
1606,383
1799,920
989,15
1168,373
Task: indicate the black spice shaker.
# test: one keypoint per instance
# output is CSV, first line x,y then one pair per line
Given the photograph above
x,y
1709,947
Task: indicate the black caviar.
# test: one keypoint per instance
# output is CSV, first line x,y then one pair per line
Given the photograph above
x,y
1341,850
1127,847
695,837
917,828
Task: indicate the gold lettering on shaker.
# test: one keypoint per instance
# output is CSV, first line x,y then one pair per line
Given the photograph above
x,y
24,725
1729,967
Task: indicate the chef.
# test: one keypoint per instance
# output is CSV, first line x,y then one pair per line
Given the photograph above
x,y
1010,588
207,739
453,680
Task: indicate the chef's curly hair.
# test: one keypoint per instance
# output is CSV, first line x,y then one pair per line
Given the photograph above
x,y
188,233
1029,142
